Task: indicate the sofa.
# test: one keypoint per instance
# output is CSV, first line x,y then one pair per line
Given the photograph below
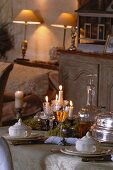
x,y
36,83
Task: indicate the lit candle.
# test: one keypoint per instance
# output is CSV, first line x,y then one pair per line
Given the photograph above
x,y
71,110
19,95
46,99
46,105
56,97
60,95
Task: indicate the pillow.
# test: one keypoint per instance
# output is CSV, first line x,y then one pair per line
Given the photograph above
x,y
5,69
29,80
8,97
32,104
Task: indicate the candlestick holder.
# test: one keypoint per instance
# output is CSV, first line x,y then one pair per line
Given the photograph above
x,y
18,113
24,45
73,37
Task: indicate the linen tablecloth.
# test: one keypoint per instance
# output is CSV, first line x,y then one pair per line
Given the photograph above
x,y
40,157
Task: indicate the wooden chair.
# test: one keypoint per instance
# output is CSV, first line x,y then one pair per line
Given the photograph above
x,y
5,156
5,69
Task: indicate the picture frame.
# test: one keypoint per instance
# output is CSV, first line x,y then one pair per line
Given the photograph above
x,y
87,30
101,32
109,44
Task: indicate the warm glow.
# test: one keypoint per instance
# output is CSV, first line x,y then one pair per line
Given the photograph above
x,y
56,97
27,16
61,116
71,103
61,26
46,98
23,22
19,94
60,87
65,20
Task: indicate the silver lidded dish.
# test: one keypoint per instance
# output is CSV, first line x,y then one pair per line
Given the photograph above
x,y
102,129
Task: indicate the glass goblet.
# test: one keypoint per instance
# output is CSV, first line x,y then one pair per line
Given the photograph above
x,y
51,118
61,117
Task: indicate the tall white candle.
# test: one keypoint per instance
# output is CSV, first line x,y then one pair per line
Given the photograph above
x,y
70,115
56,97
57,104
19,95
60,95
46,105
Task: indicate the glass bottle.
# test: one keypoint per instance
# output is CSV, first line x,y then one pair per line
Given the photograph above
x,y
87,113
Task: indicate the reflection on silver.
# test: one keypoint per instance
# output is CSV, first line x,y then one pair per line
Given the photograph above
x,y
103,127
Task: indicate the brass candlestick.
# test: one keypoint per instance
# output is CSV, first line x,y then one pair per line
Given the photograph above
x,y
18,113
24,45
73,37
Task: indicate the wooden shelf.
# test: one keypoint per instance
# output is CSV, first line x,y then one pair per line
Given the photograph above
x,y
46,65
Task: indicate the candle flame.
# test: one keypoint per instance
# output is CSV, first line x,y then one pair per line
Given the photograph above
x,y
46,98
60,87
71,103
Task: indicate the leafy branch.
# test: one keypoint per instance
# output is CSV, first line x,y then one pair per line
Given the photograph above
x,y
6,40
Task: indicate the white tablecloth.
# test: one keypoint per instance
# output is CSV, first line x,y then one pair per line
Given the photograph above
x,y
40,157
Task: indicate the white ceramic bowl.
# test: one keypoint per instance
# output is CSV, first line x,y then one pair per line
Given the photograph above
x,y
19,129
87,144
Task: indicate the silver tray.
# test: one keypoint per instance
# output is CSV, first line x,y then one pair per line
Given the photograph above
x,y
72,151
32,139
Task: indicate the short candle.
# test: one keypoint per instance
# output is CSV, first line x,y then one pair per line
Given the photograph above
x,y
70,110
56,97
19,95
60,95
46,104
46,98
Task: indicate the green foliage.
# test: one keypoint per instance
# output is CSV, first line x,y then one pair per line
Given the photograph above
x,y
71,129
34,124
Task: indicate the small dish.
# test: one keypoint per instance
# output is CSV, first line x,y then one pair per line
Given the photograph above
x,y
19,129
33,138
87,144
72,151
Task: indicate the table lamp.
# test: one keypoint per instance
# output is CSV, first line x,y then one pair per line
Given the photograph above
x,y
65,20
26,17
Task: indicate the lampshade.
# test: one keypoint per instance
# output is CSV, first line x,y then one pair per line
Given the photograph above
x,y
27,16
65,20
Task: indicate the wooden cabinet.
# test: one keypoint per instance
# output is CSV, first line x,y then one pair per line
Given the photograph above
x,y
106,85
73,71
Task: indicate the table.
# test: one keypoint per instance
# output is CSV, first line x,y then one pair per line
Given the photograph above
x,y
40,157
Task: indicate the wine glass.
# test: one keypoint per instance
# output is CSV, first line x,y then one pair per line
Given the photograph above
x,y
48,111
61,117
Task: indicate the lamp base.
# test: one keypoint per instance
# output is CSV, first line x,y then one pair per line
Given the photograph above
x,y
73,36
21,59
72,48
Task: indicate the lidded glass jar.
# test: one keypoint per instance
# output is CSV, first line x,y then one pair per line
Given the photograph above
x,y
87,113
102,129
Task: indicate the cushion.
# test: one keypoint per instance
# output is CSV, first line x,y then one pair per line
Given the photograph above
x,y
32,104
28,79
5,69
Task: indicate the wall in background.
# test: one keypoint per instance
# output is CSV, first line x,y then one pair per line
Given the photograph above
x,y
43,37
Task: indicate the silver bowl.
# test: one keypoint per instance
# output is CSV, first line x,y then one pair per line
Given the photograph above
x,y
102,129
